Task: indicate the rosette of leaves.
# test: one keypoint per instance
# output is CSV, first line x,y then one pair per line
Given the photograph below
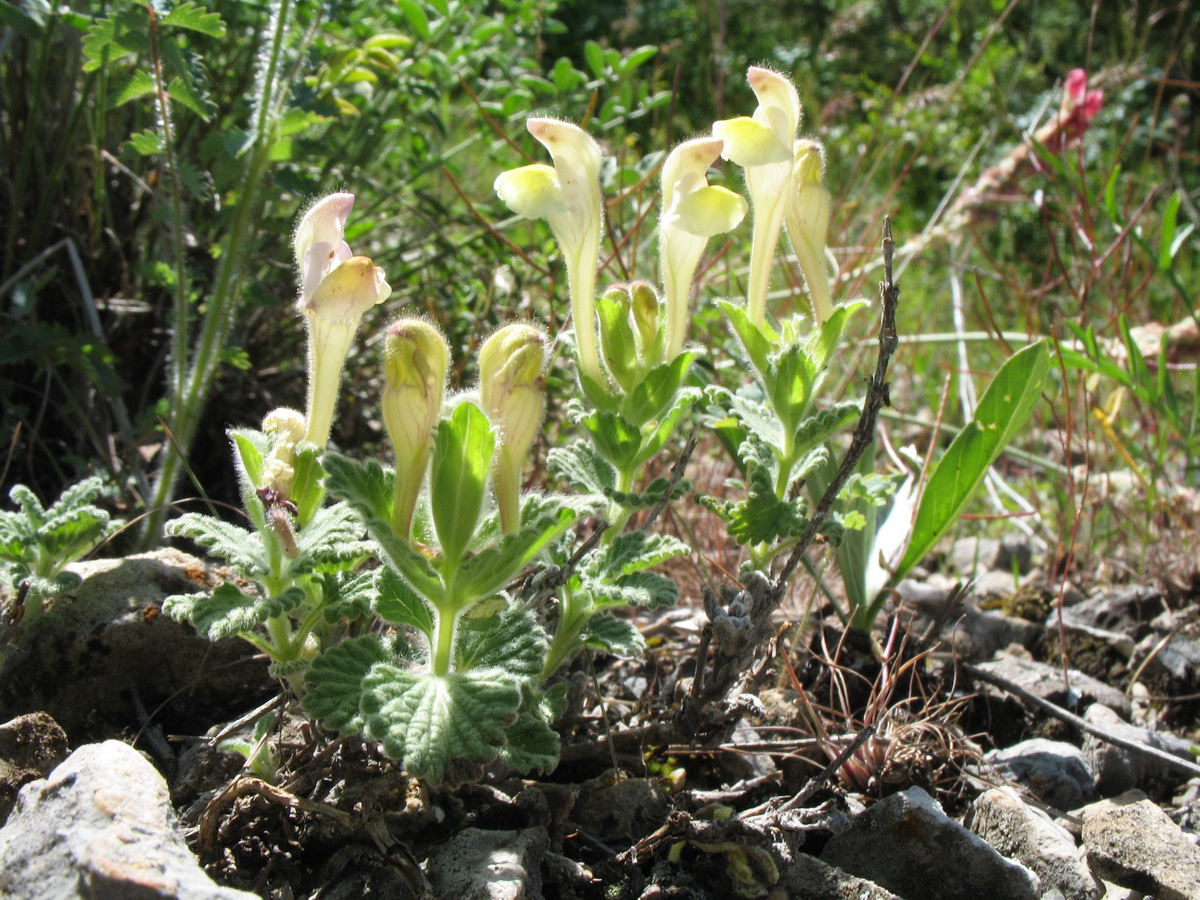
x,y
37,543
460,682
301,555
774,429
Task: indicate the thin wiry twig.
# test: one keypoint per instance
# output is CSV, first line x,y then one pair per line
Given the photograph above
x,y
864,431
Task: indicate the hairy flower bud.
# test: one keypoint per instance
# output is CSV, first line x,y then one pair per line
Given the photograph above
x,y
415,360
807,218
511,394
646,311
618,344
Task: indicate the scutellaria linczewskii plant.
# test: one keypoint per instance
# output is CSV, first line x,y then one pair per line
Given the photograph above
x,y
486,590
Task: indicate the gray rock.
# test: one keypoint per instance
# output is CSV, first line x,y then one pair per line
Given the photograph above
x,y
812,879
619,809
1131,842
974,555
906,844
1020,832
101,826
1119,770
1117,616
1055,772
488,865
1179,657
108,656
30,746
1046,681
980,634
994,584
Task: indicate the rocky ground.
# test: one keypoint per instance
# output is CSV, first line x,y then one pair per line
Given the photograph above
x,y
945,756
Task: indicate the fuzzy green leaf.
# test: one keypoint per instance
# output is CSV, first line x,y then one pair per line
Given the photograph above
x,y
581,466
619,637
335,681
430,721
462,459
511,640
653,396
492,568
242,550
652,495
635,551
824,423
397,602
648,590
331,540
227,611
140,84
346,595
757,342
362,484
531,743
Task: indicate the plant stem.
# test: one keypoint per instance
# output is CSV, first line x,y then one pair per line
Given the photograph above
x,y
443,641
189,404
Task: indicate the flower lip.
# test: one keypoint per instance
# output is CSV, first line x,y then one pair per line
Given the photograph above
x,y
319,243
348,291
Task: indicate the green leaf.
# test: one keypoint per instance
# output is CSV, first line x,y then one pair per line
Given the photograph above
x,y
430,721
417,18
1166,238
492,568
308,490
113,38
511,640
653,442
462,459
648,590
346,595
22,22
332,539
227,611
181,91
361,484
335,681
1002,412
531,743
819,426
250,448
594,55
636,58
1110,193
147,143
636,551
397,602
617,439
139,85
242,550
652,397
582,467
195,17
758,343
823,342
619,637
